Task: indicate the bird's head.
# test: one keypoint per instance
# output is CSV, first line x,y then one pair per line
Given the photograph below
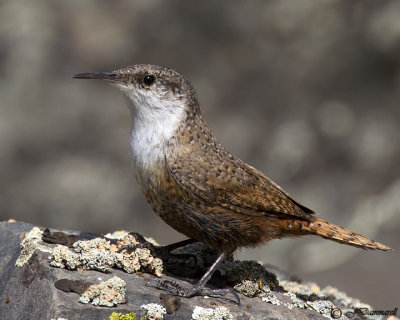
x,y
151,89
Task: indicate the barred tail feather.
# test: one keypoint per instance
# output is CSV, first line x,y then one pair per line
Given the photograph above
x,y
332,232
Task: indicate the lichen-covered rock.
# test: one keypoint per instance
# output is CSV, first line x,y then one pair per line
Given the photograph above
x,y
248,277
101,255
62,257
324,307
29,245
271,298
154,311
36,290
219,313
324,299
120,316
107,293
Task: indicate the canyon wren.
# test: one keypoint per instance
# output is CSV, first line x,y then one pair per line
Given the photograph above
x,y
198,187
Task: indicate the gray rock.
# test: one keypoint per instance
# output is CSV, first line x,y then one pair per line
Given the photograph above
x,y
29,291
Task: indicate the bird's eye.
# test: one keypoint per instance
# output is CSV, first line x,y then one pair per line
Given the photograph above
x,y
149,80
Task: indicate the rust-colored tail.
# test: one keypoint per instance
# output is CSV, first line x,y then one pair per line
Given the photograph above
x,y
330,231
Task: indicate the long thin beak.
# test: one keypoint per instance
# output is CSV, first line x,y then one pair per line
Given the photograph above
x,y
108,76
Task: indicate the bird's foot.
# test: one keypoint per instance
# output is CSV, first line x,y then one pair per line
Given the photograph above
x,y
172,287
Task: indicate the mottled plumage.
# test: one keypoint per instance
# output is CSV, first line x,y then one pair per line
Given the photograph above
x,y
194,184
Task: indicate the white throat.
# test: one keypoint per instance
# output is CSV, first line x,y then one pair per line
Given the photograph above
x,y
154,122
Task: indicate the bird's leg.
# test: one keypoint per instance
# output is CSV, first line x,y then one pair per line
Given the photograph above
x,y
164,252
198,289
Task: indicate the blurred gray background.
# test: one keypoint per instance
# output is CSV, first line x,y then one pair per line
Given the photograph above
x,y
306,91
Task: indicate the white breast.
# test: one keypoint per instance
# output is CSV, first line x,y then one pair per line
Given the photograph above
x,y
154,122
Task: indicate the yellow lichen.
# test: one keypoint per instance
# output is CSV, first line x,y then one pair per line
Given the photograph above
x,y
120,316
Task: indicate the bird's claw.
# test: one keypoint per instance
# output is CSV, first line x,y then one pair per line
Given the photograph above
x,y
172,287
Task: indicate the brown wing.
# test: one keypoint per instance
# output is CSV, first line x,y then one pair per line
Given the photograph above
x,y
219,178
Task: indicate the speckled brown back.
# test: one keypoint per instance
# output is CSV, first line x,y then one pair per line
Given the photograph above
x,y
204,168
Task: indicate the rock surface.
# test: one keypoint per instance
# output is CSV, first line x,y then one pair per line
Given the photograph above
x,y
36,290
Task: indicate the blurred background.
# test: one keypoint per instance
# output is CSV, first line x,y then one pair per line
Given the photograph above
x,y
306,91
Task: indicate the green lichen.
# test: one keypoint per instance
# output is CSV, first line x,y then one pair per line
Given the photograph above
x,y
120,316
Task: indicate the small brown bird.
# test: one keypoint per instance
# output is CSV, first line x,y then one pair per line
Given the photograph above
x,y
195,185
